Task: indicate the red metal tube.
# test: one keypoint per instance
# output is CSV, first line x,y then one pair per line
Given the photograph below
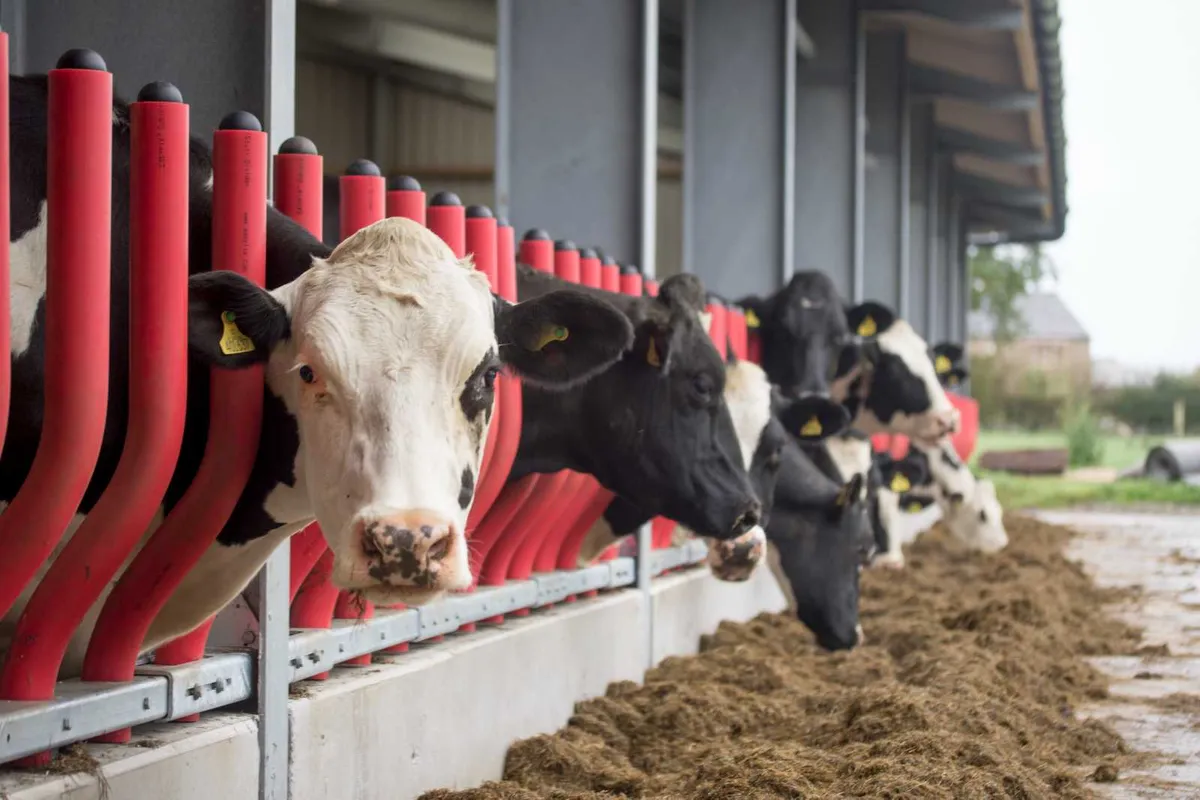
x,y
631,280
239,244
610,274
79,235
735,321
361,193
297,188
447,218
307,548
481,243
5,230
508,397
405,198
315,600
537,250
589,267
717,330
157,401
651,288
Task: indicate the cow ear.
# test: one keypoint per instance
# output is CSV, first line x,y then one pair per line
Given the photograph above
x,y
653,344
846,496
757,309
232,323
912,503
950,350
683,292
562,338
869,319
813,419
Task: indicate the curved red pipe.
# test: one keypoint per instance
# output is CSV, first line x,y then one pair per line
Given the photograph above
x,y
298,194
316,598
405,198
5,232
78,255
159,165
481,243
735,321
239,244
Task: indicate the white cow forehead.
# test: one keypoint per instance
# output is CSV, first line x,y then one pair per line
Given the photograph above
x,y
395,291
748,396
851,456
903,341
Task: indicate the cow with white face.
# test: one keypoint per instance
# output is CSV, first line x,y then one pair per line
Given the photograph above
x,y
969,504
379,360
887,379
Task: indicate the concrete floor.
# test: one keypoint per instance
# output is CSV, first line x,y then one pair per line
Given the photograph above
x,y
1160,553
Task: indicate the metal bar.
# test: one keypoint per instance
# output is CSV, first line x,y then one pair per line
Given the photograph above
x,y
930,81
968,15
503,113
792,30
668,558
690,107
858,245
273,674
649,135
933,212
904,278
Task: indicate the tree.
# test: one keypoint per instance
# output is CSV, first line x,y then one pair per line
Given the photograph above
x,y
1000,275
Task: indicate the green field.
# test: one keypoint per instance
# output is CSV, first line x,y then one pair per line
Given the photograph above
x,y
1021,492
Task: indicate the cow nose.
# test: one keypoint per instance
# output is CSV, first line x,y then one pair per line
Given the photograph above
x,y
411,547
734,560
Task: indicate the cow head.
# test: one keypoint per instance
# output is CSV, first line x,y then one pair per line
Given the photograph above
x,y
821,556
888,379
802,328
948,364
970,507
386,353
656,429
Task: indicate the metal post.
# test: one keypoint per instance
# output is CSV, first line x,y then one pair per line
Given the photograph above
x,y
933,214
790,30
860,147
273,668
904,278
503,127
646,234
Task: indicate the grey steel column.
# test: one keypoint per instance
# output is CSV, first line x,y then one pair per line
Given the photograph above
x,y
12,22
882,228
933,233
825,143
904,195
918,295
965,271
569,117
859,287
734,118
788,216
950,267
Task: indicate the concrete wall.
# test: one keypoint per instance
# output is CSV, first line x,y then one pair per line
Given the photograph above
x,y
442,715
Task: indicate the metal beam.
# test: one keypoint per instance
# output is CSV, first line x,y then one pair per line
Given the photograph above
x,y
472,18
858,243
804,45
904,200
955,142
932,82
997,17
1004,194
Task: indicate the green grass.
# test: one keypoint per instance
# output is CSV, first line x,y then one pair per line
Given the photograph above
x,y
1021,492
1120,452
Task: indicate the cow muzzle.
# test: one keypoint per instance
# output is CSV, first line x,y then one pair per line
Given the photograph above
x,y
734,560
414,549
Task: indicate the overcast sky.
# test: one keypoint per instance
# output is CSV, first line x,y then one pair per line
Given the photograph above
x,y
1129,263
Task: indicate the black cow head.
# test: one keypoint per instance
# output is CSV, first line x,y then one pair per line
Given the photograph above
x,y
949,365
821,556
655,428
802,328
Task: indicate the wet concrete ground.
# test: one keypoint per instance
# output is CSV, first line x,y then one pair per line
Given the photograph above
x,y
1161,554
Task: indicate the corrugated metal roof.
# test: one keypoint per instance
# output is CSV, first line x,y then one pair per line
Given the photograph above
x,y
1044,314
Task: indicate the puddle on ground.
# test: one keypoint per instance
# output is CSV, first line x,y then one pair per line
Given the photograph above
x,y
1155,697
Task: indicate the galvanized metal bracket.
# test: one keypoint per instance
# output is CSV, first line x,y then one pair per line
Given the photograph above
x,y
220,678
692,552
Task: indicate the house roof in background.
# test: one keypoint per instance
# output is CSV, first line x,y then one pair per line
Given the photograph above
x,y
1045,317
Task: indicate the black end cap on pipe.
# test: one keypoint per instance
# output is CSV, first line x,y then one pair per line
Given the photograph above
x,y
403,183
159,92
501,222
81,58
587,252
240,121
445,199
298,146
630,269
364,166
536,235
565,244
479,212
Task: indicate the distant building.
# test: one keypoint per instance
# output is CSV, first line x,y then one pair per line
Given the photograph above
x,y
1052,348
1109,373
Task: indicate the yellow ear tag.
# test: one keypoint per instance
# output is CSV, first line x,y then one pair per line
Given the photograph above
x,y
652,354
942,365
811,428
752,319
233,341
867,327
914,507
900,483
553,333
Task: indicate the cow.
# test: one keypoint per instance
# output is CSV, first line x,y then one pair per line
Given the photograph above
x,y
948,363
970,508
655,428
903,487
379,359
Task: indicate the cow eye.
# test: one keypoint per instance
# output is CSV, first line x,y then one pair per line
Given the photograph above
x,y
489,377
307,375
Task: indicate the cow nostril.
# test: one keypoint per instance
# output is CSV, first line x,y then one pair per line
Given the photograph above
x,y
439,549
370,544
746,522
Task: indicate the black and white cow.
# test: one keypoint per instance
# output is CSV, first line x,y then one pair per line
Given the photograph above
x,y
949,365
656,428
379,358
970,508
902,488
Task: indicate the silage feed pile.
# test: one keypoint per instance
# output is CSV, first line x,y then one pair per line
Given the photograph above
x,y
966,688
